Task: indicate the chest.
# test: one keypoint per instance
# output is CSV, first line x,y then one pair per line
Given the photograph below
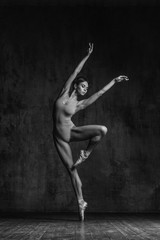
x,y
69,105
66,106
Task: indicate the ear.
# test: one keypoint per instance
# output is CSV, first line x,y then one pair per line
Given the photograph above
x,y
75,86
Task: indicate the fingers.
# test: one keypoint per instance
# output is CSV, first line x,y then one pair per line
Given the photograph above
x,y
90,47
123,77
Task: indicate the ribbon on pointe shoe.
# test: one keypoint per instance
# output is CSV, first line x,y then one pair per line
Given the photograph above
x,y
81,158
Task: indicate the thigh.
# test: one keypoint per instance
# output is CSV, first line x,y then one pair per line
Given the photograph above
x,y
85,132
64,152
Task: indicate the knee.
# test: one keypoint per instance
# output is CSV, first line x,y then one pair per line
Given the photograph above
x,y
103,130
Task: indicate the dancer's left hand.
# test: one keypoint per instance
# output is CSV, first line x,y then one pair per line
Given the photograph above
x,y
121,78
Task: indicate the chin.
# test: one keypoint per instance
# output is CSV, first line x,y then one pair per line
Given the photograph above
x,y
82,93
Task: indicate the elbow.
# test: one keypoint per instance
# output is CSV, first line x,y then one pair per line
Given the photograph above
x,y
77,71
100,93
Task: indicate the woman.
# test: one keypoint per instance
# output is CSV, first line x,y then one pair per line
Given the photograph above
x,y
64,131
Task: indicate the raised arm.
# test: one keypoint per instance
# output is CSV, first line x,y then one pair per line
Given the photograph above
x,y
68,83
86,102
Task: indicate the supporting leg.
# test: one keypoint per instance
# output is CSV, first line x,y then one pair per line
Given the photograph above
x,y
77,184
65,154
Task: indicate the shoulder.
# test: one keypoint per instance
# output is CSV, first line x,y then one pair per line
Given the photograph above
x,y
60,99
64,93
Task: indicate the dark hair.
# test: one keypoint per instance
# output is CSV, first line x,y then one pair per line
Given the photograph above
x,y
79,80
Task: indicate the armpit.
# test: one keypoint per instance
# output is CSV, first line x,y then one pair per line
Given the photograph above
x,y
63,92
80,106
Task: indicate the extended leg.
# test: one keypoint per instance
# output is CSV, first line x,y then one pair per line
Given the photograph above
x,y
93,133
95,140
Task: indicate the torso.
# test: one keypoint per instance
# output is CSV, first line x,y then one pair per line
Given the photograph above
x,y
64,108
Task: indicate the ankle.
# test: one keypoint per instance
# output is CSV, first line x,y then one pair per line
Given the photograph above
x,y
80,201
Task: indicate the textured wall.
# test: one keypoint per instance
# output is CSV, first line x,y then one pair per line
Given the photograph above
x,y
39,48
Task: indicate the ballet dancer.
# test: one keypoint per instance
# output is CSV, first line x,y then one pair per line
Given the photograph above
x,y
64,130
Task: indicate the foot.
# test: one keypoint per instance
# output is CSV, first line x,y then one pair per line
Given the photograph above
x,y
82,207
83,156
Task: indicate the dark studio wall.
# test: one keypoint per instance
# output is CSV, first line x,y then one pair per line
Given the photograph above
x,y
39,49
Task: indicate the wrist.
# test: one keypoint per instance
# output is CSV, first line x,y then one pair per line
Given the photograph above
x,y
114,80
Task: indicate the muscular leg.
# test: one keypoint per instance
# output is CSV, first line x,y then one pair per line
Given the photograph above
x,y
65,154
93,133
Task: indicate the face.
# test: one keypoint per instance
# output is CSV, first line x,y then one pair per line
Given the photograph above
x,y
82,88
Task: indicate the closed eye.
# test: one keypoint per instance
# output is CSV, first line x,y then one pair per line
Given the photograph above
x,y
85,87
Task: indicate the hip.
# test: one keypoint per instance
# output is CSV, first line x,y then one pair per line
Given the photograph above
x,y
63,131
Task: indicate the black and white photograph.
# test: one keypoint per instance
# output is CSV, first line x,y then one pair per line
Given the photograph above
x,y
79,120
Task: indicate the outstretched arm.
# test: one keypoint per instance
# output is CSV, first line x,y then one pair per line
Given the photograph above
x,y
86,102
68,83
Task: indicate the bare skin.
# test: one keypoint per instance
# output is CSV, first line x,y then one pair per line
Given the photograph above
x,y
65,131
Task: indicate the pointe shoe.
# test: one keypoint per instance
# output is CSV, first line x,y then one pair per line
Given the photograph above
x,y
82,207
81,159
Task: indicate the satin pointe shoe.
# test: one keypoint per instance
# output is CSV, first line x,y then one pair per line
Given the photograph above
x,y
81,159
82,207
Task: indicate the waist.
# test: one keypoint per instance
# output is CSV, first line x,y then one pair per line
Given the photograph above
x,y
64,122
62,130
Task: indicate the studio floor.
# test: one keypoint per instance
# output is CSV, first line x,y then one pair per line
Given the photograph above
x,y
67,226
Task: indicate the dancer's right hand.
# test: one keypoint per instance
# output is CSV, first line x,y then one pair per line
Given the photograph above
x,y
90,49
